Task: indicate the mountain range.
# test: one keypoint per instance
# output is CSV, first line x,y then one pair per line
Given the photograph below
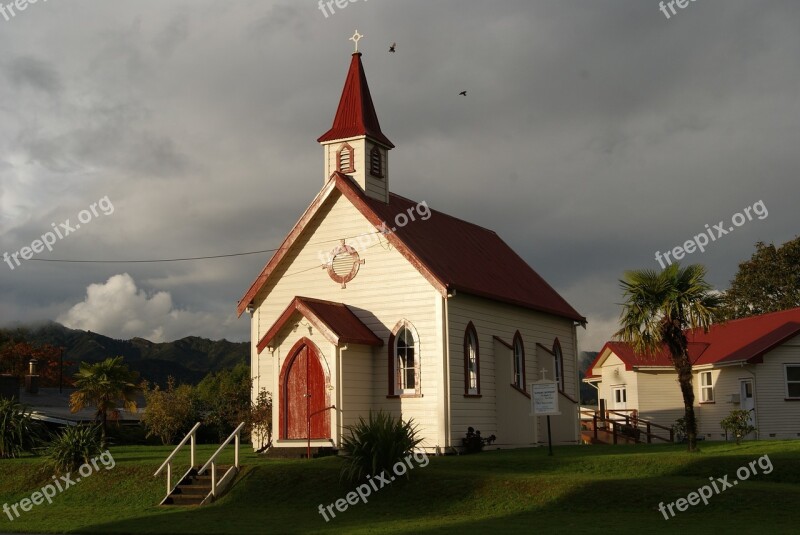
x,y
188,360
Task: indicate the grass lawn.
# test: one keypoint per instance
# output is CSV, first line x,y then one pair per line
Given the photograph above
x,y
587,489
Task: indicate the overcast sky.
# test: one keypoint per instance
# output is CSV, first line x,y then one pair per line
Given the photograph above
x,y
594,133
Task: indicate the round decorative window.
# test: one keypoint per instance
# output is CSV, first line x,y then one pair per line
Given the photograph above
x,y
344,264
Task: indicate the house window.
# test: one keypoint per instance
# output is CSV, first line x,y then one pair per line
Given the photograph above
x,y
376,162
793,380
558,365
706,388
472,380
519,362
404,362
344,159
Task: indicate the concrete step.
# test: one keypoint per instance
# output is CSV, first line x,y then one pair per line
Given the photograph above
x,y
298,452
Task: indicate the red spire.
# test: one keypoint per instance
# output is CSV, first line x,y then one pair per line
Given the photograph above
x,y
356,114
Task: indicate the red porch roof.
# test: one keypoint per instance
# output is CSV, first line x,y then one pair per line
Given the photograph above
x,y
335,321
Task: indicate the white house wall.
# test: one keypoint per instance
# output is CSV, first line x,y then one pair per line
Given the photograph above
x,y
614,374
776,416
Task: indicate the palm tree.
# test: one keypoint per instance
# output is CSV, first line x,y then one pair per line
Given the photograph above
x,y
659,308
102,385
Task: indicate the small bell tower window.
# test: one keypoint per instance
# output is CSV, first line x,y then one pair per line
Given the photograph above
x,y
345,158
376,162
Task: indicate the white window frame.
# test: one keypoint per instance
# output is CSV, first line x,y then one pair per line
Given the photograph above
x,y
706,387
788,382
401,362
472,363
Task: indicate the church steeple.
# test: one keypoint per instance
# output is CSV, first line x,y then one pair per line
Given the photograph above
x,y
355,144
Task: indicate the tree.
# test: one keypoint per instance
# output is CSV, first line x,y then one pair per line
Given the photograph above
x,y
170,412
224,399
261,421
768,282
102,385
659,308
15,355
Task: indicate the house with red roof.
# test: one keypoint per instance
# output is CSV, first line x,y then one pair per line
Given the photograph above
x,y
751,364
375,301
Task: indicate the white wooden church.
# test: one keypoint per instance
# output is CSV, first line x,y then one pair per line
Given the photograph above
x,y
374,301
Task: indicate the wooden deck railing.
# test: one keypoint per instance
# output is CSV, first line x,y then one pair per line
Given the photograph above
x,y
626,424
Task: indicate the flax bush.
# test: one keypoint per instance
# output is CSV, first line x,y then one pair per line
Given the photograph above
x,y
376,444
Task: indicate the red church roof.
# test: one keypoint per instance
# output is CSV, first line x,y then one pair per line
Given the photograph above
x,y
744,340
450,253
335,321
356,114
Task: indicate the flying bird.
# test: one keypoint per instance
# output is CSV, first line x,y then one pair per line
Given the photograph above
x,y
392,48
463,93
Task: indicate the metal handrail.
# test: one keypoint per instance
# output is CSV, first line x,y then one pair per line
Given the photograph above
x,y
168,462
213,460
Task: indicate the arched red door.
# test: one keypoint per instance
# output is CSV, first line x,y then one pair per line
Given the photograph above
x,y
304,397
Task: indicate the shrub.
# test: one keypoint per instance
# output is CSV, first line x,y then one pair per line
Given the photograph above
x,y
73,446
261,420
170,413
680,429
19,433
376,444
738,424
473,442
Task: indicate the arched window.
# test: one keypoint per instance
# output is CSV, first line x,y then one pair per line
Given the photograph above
x,y
376,162
345,159
519,362
472,371
558,365
404,362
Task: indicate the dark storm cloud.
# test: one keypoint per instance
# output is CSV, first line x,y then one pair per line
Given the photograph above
x,y
593,135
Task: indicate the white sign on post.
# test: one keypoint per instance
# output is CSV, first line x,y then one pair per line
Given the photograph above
x,y
544,398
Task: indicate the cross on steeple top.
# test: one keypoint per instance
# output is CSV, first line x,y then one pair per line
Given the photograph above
x,y
356,38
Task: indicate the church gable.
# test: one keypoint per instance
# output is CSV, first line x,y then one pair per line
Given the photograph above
x,y
340,256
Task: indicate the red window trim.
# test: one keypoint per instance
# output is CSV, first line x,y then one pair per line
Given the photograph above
x,y
471,330
518,336
558,355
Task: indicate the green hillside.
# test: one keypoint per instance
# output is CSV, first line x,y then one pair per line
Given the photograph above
x,y
188,359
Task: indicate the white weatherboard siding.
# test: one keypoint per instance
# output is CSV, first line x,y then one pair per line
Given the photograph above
x,y
502,410
725,382
356,399
776,415
658,398
386,290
